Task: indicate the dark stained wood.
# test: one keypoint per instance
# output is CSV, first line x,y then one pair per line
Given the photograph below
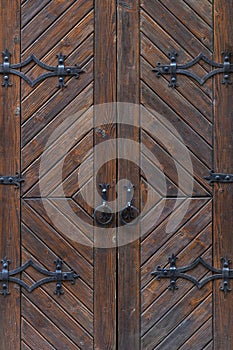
x,y
29,9
9,164
200,338
176,101
61,27
203,8
190,19
47,327
45,17
34,338
128,92
105,327
172,25
223,162
189,325
175,316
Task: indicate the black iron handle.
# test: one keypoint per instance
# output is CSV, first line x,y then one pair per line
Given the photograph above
x,y
103,214
129,214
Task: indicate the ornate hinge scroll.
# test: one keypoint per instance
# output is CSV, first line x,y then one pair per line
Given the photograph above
x,y
60,71
58,276
173,69
174,272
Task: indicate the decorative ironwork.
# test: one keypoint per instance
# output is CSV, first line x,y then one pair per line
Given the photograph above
x,y
129,213
174,273
11,180
173,69
58,276
61,71
218,177
103,214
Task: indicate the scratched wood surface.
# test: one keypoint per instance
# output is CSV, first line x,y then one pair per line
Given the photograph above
x,y
9,165
116,303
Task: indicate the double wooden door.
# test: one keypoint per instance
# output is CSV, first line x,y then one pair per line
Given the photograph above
x,y
113,169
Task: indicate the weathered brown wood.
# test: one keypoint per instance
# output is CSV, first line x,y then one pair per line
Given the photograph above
x,y
57,243
105,327
60,28
34,338
176,101
189,325
128,251
156,298
174,27
190,19
200,338
45,17
175,316
223,162
203,8
9,165
47,328
29,9
30,242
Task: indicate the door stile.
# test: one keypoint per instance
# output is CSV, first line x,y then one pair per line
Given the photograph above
x,y
9,165
223,163
105,173
128,171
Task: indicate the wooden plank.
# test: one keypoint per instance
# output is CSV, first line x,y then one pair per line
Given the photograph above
x,y
33,337
168,22
200,338
47,328
191,20
189,114
175,316
29,9
105,130
203,8
60,28
156,297
190,324
57,243
128,92
223,162
9,165
45,17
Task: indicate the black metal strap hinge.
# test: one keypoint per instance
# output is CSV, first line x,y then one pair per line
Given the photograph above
x,y
11,180
61,71
173,273
219,177
58,276
173,69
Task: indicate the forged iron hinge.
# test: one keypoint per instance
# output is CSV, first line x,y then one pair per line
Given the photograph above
x,y
174,272
61,71
11,180
58,276
173,69
219,177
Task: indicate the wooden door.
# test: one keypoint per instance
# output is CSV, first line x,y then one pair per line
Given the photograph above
x,y
109,174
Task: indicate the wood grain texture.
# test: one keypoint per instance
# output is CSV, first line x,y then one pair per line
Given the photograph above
x,y
9,165
128,93
105,172
167,25
223,162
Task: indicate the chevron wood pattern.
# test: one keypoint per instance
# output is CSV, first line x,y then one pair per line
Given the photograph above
x,y
49,322
116,303
180,320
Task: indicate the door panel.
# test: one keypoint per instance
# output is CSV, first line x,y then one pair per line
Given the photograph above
x,y
174,320
120,138
67,27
